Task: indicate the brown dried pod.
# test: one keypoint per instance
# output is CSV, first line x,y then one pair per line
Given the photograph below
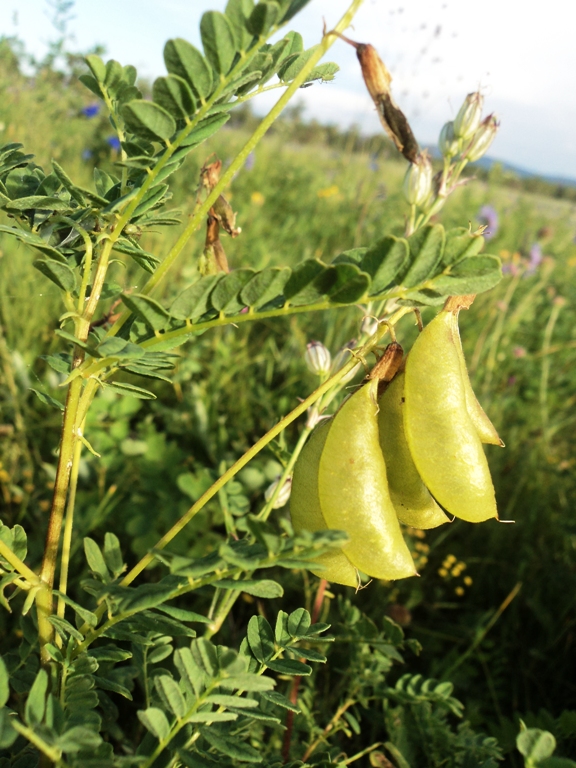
x,y
378,79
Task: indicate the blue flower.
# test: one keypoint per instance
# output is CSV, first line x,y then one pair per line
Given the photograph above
x,y
114,142
535,260
91,110
86,154
488,216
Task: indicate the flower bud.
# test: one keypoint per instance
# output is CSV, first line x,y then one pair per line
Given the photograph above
x,y
468,118
283,495
317,358
418,180
482,139
448,144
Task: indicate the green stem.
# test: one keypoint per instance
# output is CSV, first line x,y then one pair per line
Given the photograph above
x,y
52,753
65,460
92,367
18,565
358,755
269,506
327,41
70,426
67,538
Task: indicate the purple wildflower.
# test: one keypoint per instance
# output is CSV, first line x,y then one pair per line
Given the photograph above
x,y
114,142
91,110
86,154
535,260
488,216
250,160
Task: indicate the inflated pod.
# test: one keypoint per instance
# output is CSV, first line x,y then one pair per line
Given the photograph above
x,y
441,435
412,500
353,490
305,508
484,427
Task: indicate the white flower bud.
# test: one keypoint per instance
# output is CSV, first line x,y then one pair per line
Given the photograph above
x,y
283,495
448,144
418,180
317,358
482,139
467,120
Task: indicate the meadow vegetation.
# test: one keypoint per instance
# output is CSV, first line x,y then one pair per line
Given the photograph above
x,y
493,610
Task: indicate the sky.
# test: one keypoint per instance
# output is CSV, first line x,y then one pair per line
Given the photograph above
x,y
521,55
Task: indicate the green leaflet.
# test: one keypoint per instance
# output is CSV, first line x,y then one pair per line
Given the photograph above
x,y
186,61
261,639
460,244
204,130
263,18
426,247
148,120
471,275
218,40
58,273
384,260
225,297
174,94
149,310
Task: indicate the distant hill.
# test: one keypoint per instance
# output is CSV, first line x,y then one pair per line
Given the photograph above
x,y
486,163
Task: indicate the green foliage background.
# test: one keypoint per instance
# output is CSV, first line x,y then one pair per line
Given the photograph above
x,y
505,640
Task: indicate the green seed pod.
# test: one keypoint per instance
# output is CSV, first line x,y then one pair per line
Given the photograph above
x,y
484,427
442,438
305,508
413,503
353,490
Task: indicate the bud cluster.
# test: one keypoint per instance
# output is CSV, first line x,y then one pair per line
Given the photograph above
x,y
462,140
468,137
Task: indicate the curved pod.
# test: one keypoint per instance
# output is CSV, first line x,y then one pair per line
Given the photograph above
x,y
484,427
412,500
353,490
441,436
305,508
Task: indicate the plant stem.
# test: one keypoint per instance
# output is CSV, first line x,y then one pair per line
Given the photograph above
x,y
330,727
68,439
358,755
67,538
92,367
70,428
18,565
51,753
